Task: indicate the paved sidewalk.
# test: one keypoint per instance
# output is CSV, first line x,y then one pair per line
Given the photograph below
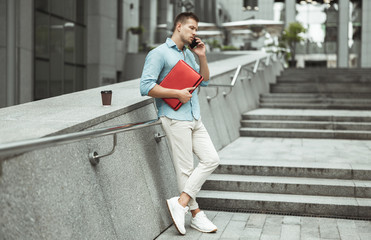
x,y
248,226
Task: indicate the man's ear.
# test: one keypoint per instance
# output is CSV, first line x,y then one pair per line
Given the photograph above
x,y
178,26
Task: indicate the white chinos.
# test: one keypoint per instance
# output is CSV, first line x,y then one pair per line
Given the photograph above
x,y
186,138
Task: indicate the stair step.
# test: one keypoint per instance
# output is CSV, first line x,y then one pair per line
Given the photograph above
x,y
316,106
346,78
326,70
306,125
366,96
295,169
338,101
304,89
308,115
325,73
289,185
286,203
304,133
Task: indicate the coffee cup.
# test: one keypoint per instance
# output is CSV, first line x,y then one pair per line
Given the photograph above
x,y
106,97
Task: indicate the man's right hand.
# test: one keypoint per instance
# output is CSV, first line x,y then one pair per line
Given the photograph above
x,y
184,95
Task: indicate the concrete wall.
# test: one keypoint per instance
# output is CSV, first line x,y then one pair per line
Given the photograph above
x,y
54,193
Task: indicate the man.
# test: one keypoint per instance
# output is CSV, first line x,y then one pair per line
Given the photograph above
x,y
183,128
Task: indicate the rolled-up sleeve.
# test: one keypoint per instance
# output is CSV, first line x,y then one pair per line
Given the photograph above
x,y
203,83
151,71
196,67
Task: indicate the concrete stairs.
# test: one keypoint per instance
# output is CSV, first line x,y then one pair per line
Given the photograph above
x,y
304,104
297,188
291,123
320,89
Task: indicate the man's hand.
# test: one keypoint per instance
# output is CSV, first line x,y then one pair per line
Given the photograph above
x,y
184,95
200,50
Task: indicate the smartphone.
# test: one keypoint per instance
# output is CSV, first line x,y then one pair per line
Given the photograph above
x,y
193,44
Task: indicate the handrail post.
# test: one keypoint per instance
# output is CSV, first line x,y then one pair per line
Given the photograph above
x,y
231,85
235,76
216,94
94,157
255,68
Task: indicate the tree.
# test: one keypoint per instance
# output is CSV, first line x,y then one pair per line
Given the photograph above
x,y
291,36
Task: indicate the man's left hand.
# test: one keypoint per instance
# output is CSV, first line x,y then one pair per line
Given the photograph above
x,y
200,49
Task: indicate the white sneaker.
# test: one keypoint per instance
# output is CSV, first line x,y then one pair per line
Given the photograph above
x,y
177,213
202,223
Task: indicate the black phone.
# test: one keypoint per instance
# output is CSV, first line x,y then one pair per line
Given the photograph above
x,y
193,44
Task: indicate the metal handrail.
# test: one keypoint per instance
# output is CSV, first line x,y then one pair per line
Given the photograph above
x,y
234,79
14,148
231,85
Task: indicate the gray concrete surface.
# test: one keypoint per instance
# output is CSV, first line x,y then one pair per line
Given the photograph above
x,y
294,123
54,193
251,226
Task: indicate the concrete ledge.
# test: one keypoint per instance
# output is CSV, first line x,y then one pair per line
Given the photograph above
x,y
68,113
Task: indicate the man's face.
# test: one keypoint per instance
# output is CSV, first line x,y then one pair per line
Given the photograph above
x,y
188,30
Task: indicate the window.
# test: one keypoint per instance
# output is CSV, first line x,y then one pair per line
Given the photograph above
x,y
60,42
250,5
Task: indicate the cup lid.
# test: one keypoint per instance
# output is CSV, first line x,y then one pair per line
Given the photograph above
x,y
106,91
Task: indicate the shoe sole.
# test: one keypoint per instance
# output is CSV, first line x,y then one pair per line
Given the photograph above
x,y
171,215
212,231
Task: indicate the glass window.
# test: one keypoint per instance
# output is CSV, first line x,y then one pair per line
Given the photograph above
x,y
80,12
80,79
41,35
41,89
57,7
42,5
69,78
56,56
250,5
70,9
60,43
69,37
80,46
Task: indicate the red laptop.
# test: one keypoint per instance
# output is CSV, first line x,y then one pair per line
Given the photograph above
x,y
180,76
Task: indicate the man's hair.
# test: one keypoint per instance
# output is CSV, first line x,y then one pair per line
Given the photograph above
x,y
183,17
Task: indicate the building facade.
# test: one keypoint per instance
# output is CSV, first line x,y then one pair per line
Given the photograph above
x,y
347,31
53,47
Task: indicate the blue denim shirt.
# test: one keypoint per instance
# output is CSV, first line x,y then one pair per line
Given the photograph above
x,y
158,64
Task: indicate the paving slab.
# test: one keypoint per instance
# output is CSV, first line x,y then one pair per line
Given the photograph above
x,y
251,226
324,151
311,112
